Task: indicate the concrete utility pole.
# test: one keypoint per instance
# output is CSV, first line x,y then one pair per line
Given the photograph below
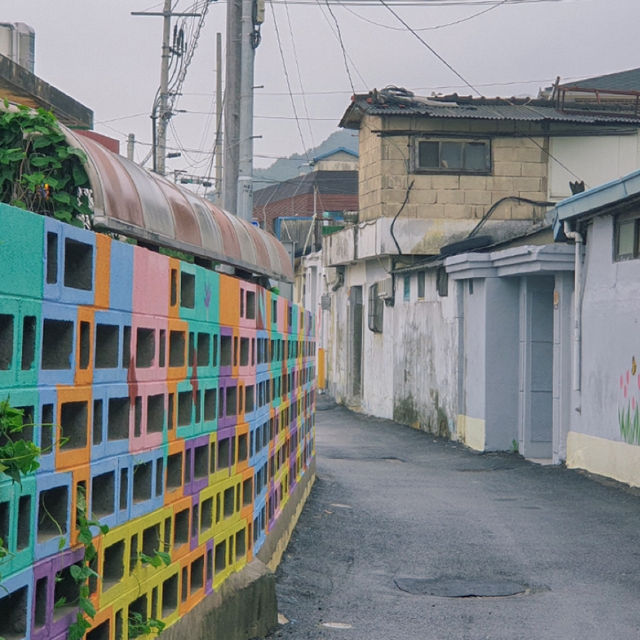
x,y
244,18
219,100
160,113
232,100
163,116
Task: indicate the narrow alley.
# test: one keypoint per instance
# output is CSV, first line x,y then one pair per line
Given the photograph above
x,y
408,537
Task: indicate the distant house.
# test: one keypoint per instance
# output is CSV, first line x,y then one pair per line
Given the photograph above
x,y
447,306
332,185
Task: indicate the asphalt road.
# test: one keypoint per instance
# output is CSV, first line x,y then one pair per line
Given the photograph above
x,y
408,537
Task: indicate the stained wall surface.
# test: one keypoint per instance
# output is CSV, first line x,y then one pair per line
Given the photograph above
x,y
178,400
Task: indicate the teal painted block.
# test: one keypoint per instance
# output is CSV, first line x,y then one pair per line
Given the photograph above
x,y
208,291
17,524
21,252
9,340
29,343
188,409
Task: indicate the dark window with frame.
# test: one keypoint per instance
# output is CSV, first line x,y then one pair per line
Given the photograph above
x,y
376,310
452,156
442,282
626,240
406,292
421,287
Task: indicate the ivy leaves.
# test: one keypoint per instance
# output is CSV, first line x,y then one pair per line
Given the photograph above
x,y
17,456
39,171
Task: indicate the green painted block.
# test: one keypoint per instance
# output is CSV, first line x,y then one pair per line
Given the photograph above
x,y
21,252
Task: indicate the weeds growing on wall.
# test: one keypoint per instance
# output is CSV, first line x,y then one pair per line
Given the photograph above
x,y
20,456
39,171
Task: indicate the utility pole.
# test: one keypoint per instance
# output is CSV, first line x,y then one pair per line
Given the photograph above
x,y
218,145
131,143
244,18
160,113
232,101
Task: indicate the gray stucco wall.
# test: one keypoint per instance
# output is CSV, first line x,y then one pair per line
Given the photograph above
x,y
610,336
502,347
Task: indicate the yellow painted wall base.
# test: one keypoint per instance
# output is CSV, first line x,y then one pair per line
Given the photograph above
x,y
617,460
471,431
322,379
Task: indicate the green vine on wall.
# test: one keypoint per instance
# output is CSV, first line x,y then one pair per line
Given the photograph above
x,y
19,456
39,171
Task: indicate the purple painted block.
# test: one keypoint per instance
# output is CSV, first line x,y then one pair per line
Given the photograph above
x,y
195,529
52,622
197,466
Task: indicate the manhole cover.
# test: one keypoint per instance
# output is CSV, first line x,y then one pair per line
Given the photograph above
x,y
461,587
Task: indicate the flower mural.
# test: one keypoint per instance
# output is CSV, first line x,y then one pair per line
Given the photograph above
x,y
629,406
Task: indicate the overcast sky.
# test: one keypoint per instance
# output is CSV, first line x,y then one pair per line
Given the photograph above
x,y
109,60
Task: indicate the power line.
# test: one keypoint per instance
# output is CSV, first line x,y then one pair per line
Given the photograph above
x,y
433,28
344,53
286,76
435,53
296,58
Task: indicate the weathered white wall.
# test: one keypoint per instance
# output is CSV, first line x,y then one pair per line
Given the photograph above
x,y
596,159
378,374
425,357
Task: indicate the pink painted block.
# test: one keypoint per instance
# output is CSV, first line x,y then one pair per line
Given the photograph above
x,y
150,282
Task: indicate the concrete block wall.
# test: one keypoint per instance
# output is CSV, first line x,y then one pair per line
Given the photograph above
x,y
519,168
179,399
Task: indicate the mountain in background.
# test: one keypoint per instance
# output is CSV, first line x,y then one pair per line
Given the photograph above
x,y
297,164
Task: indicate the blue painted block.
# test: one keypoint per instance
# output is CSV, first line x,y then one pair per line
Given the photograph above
x,y
121,277
57,344
16,597
75,248
147,487
104,496
109,336
53,513
46,431
117,420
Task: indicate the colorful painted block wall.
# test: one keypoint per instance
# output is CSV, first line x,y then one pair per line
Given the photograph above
x,y
180,400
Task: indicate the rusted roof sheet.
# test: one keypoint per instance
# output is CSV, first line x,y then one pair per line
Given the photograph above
x,y
130,200
393,103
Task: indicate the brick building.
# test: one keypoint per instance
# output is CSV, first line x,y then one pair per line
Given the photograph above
x,y
332,185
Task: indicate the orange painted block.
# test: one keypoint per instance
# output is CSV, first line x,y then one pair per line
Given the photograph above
x,y
181,527
74,417
174,472
229,301
103,625
84,348
192,579
172,399
178,335
174,283
103,271
79,495
242,447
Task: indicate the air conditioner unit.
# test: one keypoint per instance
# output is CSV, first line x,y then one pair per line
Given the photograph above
x,y
385,288
17,42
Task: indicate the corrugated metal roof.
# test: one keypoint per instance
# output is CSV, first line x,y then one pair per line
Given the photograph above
x,y
524,113
150,208
327,182
619,81
393,103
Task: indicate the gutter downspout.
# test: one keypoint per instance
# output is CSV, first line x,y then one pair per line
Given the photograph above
x,y
577,306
